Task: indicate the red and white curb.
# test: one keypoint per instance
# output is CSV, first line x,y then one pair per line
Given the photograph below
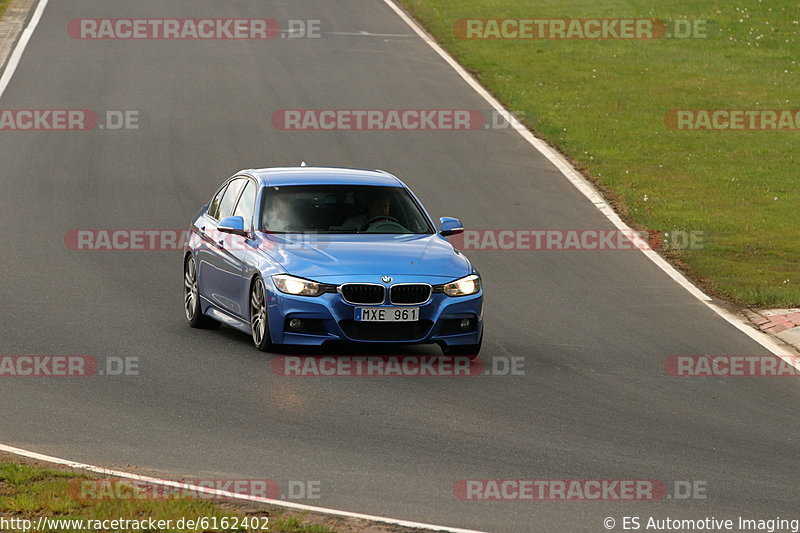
x,y
781,323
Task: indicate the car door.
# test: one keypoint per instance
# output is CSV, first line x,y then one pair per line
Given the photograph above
x,y
204,227
219,268
241,246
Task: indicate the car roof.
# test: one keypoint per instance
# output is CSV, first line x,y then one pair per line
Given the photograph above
x,y
282,176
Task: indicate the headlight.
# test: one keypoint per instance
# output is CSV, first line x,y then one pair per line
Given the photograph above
x,y
463,287
297,286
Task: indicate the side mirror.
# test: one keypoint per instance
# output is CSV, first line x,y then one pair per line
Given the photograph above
x,y
450,226
234,225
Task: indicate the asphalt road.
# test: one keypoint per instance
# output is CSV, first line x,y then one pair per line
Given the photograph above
x,y
594,328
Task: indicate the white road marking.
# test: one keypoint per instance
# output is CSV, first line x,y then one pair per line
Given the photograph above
x,y
16,55
367,34
227,494
588,190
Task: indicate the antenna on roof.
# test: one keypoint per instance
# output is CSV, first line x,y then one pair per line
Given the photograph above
x,y
303,164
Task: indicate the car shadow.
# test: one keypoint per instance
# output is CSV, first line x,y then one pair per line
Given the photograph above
x,y
336,348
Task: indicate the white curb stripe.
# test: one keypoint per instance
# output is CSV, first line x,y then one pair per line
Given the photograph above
x,y
16,55
588,190
227,494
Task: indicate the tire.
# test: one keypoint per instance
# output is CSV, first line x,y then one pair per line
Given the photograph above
x,y
469,350
259,320
191,298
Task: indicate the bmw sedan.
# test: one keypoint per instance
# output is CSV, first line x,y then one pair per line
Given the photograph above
x,y
311,255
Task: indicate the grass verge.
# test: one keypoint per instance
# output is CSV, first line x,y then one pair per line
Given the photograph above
x,y
29,492
3,6
603,104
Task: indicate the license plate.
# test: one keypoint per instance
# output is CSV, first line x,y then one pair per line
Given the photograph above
x,y
387,314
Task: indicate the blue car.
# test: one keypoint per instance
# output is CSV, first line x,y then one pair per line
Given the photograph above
x,y
311,255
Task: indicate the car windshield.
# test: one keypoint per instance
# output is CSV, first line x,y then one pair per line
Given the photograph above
x,y
341,209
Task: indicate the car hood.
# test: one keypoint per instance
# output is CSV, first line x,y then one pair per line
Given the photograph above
x,y
320,256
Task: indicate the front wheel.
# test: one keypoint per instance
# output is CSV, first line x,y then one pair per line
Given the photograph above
x,y
191,298
468,350
259,323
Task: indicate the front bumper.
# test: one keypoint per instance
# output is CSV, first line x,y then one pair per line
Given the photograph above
x,y
329,317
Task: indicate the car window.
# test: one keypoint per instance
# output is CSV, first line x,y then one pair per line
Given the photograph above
x,y
213,206
342,209
229,199
246,204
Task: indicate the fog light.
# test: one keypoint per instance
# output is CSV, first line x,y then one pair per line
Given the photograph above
x,y
295,323
465,323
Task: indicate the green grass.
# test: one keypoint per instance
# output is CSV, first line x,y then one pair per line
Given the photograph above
x,y
3,6
603,103
29,492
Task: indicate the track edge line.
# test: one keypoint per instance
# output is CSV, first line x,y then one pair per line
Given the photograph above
x,y
226,494
19,48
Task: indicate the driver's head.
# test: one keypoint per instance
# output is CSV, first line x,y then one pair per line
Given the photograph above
x,y
379,206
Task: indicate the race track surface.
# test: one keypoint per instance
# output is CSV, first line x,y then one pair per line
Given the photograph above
x,y
594,328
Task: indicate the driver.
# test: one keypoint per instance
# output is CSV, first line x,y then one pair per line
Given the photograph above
x,y
379,206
